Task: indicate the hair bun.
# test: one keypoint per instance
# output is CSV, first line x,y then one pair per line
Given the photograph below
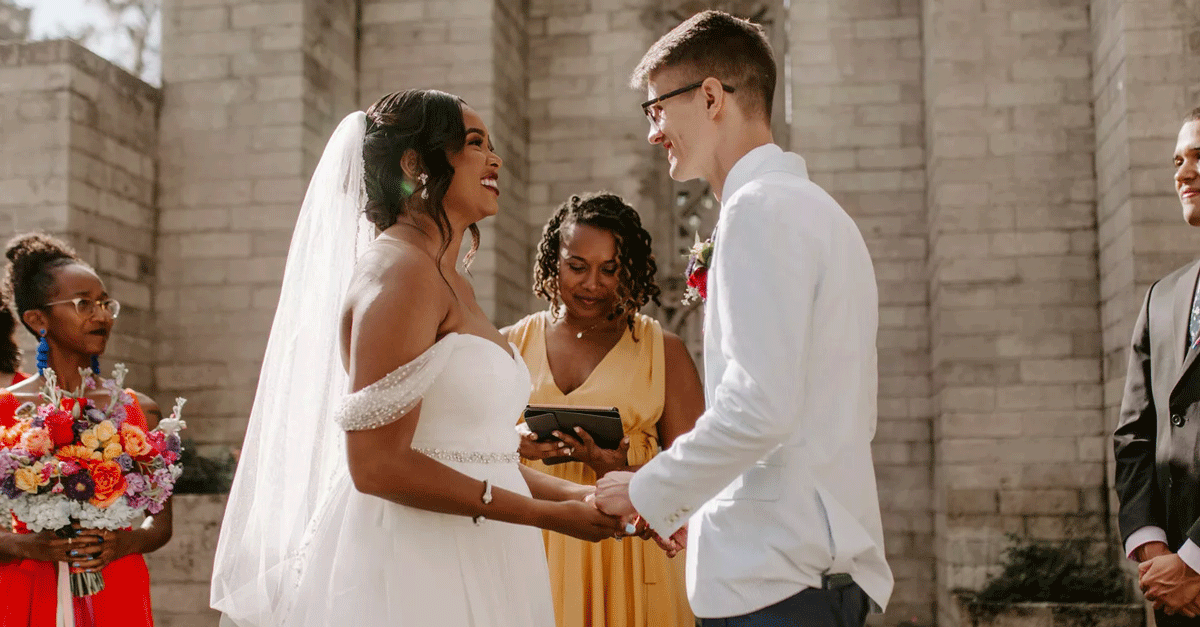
x,y
37,247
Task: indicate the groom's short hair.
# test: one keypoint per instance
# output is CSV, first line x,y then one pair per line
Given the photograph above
x,y
713,43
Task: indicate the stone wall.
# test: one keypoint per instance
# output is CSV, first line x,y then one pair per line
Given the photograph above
x,y
78,160
180,572
1019,435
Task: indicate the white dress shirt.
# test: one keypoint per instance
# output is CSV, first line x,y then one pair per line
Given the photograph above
x,y
1189,552
777,478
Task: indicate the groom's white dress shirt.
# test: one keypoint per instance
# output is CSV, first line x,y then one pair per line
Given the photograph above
x,y
777,478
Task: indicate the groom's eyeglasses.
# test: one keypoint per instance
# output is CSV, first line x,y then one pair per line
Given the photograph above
x,y
652,110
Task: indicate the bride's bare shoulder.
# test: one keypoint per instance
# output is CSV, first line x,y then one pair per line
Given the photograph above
x,y
391,265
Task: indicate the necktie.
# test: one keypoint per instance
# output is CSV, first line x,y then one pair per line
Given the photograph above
x,y
1194,322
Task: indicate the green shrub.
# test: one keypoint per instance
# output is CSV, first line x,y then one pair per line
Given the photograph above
x,y
1063,572
205,474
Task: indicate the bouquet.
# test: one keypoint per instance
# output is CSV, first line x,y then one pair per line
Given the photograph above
x,y
66,462
699,259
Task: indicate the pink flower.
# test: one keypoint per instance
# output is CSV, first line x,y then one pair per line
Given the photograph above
x,y
37,442
158,440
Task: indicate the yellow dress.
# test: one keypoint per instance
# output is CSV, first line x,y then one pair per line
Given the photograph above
x,y
612,583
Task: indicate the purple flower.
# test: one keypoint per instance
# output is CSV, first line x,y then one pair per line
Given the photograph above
x,y
118,416
125,462
94,415
79,486
9,487
79,426
135,483
154,507
8,465
162,476
173,443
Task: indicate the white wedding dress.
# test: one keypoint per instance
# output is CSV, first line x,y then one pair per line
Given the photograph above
x,y
370,562
299,545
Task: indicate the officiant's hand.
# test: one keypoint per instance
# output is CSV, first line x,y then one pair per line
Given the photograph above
x,y
581,447
1169,584
530,448
612,494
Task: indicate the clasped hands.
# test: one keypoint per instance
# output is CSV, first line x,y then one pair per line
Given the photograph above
x,y
612,498
1167,582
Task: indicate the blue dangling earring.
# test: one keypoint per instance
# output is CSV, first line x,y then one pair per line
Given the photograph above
x,y
96,364
43,352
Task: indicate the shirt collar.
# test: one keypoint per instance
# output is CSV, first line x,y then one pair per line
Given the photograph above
x,y
765,158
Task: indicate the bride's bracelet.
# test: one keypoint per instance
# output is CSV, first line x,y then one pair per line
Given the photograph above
x,y
486,498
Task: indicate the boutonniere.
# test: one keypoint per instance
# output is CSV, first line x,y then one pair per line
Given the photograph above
x,y
699,261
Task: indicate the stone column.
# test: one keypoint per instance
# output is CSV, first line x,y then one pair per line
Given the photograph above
x,y
252,90
1019,434
477,50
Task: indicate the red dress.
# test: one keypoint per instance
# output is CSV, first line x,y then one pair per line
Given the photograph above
x,y
29,588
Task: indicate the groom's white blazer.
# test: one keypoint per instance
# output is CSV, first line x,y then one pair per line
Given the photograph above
x,y
776,478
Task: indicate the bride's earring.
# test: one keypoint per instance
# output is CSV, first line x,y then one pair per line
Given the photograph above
x,y
422,179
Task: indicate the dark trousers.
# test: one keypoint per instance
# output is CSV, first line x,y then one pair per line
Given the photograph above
x,y
846,606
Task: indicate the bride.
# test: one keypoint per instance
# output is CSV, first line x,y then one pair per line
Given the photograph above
x,y
379,482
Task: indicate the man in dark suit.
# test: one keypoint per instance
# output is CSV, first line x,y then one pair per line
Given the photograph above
x,y
1157,440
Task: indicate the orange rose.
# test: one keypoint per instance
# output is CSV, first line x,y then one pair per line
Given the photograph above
x,y
134,441
11,436
110,484
79,452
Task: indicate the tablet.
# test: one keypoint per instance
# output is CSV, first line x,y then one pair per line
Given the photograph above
x,y
602,423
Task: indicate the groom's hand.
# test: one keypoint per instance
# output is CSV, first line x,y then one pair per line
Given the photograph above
x,y
612,494
673,545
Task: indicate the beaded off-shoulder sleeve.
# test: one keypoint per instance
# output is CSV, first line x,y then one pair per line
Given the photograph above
x,y
396,394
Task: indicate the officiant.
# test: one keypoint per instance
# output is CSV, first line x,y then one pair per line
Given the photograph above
x,y
592,347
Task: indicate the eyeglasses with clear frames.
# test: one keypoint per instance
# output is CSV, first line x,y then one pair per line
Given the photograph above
x,y
652,110
87,307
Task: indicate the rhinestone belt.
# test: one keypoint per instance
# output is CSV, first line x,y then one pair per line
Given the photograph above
x,y
470,457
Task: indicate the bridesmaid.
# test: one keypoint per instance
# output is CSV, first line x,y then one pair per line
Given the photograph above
x,y
592,347
10,353
61,301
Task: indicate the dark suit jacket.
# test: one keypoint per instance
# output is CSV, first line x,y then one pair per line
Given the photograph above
x,y
1157,439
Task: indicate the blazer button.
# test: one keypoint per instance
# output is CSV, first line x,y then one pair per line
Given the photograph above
x,y
1177,420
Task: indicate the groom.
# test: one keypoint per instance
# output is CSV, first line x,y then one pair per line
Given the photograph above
x,y
776,479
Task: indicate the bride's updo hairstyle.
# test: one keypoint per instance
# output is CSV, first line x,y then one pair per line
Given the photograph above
x,y
429,122
29,280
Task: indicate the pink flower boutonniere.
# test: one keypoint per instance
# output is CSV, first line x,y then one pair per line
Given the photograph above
x,y
699,260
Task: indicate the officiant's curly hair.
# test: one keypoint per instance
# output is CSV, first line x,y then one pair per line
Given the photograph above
x,y
429,122
635,257
714,43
